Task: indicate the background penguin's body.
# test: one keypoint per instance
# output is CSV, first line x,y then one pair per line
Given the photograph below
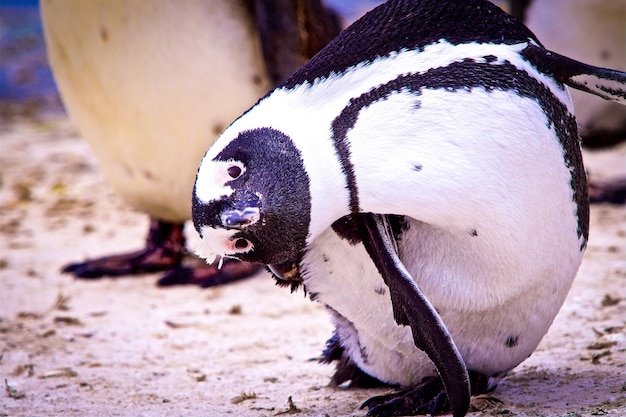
x,y
151,84
590,31
429,150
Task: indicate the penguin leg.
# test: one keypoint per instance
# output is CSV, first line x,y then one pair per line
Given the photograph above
x,y
428,397
164,251
608,191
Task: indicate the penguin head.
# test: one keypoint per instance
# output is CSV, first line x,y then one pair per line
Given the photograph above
x,y
251,198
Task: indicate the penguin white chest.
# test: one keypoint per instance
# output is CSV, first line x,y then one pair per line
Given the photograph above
x,y
495,248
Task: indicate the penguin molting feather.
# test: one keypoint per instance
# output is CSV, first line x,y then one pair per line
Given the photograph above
x,y
421,176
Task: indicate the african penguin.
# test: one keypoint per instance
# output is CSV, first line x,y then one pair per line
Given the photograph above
x,y
422,178
591,31
150,85
594,32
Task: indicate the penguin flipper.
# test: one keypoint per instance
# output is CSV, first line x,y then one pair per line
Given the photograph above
x,y
412,308
603,82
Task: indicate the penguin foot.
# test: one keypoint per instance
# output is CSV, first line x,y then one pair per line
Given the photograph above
x,y
209,275
165,247
428,397
609,191
164,251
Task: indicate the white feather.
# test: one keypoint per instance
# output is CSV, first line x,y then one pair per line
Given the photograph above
x,y
216,175
220,243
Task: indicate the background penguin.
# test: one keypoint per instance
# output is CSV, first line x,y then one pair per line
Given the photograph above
x,y
423,169
150,84
594,32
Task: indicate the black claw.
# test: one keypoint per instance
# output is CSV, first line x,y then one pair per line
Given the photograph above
x,y
70,268
164,251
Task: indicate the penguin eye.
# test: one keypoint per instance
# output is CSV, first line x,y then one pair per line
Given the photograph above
x,y
242,244
234,171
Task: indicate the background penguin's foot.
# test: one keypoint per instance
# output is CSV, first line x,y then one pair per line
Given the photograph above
x,y
164,251
209,275
165,247
608,191
429,397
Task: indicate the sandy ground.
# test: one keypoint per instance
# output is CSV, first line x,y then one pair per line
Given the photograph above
x,y
123,347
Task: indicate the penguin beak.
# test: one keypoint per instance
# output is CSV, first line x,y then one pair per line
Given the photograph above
x,y
240,219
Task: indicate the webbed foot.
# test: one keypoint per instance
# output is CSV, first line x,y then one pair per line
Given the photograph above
x,y
209,275
165,247
164,251
608,191
428,397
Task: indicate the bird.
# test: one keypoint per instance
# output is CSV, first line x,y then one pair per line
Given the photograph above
x,y
592,32
600,40
421,177
151,84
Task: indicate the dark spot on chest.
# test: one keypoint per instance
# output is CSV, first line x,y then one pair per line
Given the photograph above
x,y
104,34
148,175
511,341
257,80
218,128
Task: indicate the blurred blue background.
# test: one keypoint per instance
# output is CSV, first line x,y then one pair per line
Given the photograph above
x,y
26,82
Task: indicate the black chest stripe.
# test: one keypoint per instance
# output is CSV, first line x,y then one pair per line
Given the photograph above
x,y
464,76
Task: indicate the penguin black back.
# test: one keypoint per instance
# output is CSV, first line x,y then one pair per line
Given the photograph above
x,y
391,27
